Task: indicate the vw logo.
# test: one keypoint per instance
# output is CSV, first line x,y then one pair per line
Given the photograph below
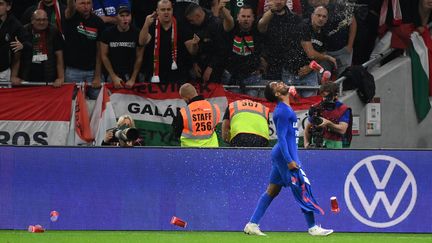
x,y
363,204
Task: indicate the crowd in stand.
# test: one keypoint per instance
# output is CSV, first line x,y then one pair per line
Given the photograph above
x,y
239,42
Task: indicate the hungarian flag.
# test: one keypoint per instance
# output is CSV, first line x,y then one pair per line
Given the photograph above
x,y
35,115
80,132
420,75
426,35
103,116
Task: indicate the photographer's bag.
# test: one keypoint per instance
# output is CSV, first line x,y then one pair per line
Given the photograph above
x,y
357,77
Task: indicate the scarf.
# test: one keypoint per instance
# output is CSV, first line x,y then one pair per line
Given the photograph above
x,y
156,51
397,13
57,15
39,45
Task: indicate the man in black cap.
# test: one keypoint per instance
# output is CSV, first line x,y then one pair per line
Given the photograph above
x,y
122,54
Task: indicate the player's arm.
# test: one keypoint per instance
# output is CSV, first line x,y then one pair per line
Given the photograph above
x,y
281,131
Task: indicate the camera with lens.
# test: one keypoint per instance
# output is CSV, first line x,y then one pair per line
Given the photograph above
x,y
315,113
124,134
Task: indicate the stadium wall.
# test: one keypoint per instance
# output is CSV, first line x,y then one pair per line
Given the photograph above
x,y
211,189
399,125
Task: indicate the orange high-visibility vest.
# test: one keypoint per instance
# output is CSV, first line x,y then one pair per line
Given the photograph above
x,y
199,119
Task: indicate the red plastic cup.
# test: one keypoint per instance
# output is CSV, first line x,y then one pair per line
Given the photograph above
x,y
178,222
292,91
54,216
36,229
334,205
316,67
325,77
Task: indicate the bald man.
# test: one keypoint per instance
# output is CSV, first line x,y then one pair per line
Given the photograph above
x,y
195,124
44,63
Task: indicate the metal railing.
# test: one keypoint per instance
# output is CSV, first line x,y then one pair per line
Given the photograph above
x,y
339,81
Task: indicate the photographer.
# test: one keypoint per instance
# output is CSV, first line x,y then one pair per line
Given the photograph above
x,y
329,121
124,135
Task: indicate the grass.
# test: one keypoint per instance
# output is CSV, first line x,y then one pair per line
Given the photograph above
x,y
15,236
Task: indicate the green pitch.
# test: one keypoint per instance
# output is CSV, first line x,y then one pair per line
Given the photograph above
x,y
15,236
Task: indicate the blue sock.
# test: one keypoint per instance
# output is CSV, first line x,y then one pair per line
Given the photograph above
x,y
310,218
262,206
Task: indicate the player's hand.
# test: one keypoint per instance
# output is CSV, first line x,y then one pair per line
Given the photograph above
x,y
293,165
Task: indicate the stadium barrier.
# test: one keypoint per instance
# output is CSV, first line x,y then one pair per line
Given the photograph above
x,y
96,188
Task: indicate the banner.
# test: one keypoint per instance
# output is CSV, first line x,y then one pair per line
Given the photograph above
x,y
153,106
103,117
35,115
420,75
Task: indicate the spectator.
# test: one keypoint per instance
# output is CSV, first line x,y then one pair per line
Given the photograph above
x,y
166,57
281,28
13,39
209,47
335,118
245,124
45,62
82,32
314,39
367,18
107,10
54,9
124,134
341,30
121,51
245,62
397,20
195,124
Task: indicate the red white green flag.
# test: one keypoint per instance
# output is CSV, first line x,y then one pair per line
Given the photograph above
x,y
35,115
